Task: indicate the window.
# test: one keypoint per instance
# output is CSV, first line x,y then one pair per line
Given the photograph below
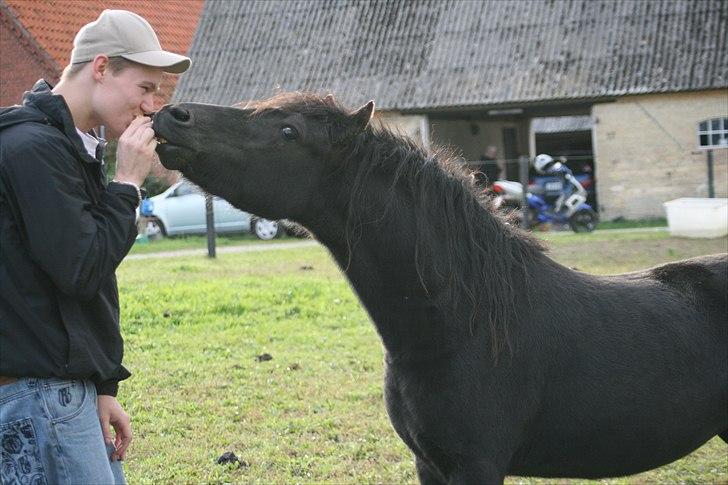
x,y
186,188
713,133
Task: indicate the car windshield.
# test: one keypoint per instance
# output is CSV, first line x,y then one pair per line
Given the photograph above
x,y
186,188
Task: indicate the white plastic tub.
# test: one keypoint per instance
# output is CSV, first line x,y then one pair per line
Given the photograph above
x,y
693,217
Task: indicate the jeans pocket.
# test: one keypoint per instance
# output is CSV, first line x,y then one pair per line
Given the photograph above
x,y
64,399
21,462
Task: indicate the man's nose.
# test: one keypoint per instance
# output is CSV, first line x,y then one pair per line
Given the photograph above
x,y
148,103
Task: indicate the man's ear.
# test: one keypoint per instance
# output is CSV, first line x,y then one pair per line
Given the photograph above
x,y
99,67
356,122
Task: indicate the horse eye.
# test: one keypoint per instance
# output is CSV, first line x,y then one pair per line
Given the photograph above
x,y
289,133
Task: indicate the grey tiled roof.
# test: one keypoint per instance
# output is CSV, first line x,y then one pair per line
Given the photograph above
x,y
442,53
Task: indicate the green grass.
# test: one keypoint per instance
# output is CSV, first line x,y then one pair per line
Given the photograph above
x,y
314,413
629,224
198,242
233,239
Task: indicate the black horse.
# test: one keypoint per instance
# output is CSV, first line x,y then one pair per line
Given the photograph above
x,y
498,360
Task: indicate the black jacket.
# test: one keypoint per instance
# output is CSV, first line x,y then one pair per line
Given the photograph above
x,y
63,232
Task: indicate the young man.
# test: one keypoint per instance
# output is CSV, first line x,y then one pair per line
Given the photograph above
x,y
63,232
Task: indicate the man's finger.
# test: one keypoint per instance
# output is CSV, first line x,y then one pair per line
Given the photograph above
x,y
147,135
142,132
122,447
136,123
123,436
142,124
106,429
121,451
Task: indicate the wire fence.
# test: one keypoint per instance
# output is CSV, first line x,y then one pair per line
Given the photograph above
x,y
577,163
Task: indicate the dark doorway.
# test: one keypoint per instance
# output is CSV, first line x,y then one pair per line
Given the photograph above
x,y
576,147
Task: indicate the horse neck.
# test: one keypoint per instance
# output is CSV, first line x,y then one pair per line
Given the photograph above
x,y
381,270
433,274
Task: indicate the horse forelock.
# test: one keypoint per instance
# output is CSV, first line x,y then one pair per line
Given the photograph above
x,y
308,104
477,240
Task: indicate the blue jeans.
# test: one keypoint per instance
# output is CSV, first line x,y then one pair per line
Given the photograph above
x,y
50,433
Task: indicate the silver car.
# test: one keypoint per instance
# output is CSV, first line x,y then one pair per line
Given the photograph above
x,y
181,210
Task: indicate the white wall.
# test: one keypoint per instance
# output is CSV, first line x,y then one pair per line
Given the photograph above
x,y
414,126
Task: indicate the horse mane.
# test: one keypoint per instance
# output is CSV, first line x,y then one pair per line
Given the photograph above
x,y
457,228
457,231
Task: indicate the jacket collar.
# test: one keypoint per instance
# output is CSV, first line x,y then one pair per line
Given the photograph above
x,y
55,108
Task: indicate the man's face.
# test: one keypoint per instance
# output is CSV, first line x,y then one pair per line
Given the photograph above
x,y
120,97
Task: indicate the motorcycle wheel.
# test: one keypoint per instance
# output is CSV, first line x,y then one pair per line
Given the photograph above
x,y
583,220
533,218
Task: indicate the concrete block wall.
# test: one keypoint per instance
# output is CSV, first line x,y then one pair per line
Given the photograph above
x,y
646,152
468,138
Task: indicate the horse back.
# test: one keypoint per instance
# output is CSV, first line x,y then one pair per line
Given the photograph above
x,y
622,361
702,280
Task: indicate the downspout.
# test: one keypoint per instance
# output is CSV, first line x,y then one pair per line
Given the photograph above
x,y
425,131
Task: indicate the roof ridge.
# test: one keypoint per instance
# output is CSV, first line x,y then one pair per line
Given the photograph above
x,y
25,36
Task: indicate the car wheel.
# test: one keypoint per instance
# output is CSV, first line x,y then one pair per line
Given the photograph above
x,y
265,229
155,228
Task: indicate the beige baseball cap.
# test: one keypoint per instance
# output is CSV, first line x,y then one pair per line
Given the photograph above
x,y
125,34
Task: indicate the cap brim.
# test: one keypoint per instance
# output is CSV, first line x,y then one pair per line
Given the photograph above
x,y
167,61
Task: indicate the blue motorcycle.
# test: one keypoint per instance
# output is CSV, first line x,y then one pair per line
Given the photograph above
x,y
562,201
582,219
570,206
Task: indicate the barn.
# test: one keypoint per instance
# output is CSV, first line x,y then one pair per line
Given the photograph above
x,y
633,93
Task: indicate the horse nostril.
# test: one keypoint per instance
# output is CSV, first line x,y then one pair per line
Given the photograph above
x,y
180,114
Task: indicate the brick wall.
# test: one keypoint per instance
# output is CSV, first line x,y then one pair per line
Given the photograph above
x,y
646,151
20,67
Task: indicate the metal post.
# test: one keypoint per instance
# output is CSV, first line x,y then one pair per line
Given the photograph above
x,y
523,177
210,221
711,182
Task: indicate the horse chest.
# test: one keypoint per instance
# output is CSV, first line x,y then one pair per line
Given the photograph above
x,y
435,407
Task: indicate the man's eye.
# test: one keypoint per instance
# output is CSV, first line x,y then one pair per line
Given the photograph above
x,y
289,133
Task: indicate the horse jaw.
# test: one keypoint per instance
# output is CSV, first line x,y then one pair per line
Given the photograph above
x,y
174,157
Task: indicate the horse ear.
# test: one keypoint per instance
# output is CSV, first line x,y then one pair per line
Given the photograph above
x,y
362,116
357,122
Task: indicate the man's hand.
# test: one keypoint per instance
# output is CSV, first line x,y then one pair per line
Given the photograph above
x,y
112,414
135,152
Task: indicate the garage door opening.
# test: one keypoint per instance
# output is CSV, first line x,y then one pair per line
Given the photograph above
x,y
568,138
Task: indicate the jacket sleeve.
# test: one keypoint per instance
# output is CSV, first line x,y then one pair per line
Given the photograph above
x,y
111,386
77,242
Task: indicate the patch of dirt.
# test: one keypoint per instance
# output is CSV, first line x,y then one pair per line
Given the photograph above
x,y
229,458
264,357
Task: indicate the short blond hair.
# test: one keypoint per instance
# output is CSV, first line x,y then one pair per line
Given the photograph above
x,y
116,65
